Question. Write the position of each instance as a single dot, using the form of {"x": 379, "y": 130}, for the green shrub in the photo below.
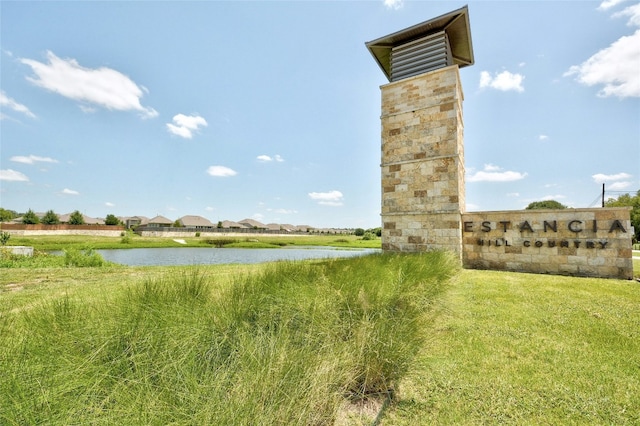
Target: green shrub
{"x": 83, "y": 258}
{"x": 4, "y": 238}
{"x": 368, "y": 236}
{"x": 221, "y": 242}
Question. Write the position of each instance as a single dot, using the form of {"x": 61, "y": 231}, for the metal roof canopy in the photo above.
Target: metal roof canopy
{"x": 455, "y": 25}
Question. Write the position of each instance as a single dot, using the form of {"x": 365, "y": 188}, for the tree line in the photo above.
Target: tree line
{"x": 51, "y": 218}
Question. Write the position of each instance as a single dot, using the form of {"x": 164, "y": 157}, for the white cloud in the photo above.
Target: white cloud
{"x": 6, "y": 101}
{"x": 331, "y": 198}
{"x": 12, "y": 175}
{"x": 553, "y": 197}
{"x": 503, "y": 81}
{"x": 102, "y": 86}
{"x": 221, "y": 171}
{"x": 283, "y": 211}
{"x": 265, "y": 158}
{"x": 491, "y": 168}
{"x": 185, "y": 125}
{"x": 608, "y": 4}
{"x": 209, "y": 208}
{"x": 619, "y": 186}
{"x": 614, "y": 67}
{"x": 394, "y": 4}
{"x": 108, "y": 204}
{"x": 68, "y": 191}
{"x": 492, "y": 173}
{"x": 543, "y": 137}
{"x": 513, "y": 194}
{"x": 601, "y": 178}
{"x": 633, "y": 12}
{"x": 32, "y": 159}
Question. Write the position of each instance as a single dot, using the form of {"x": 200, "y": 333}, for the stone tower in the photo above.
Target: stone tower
{"x": 422, "y": 133}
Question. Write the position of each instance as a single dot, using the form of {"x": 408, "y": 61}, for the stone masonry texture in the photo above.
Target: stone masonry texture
{"x": 422, "y": 162}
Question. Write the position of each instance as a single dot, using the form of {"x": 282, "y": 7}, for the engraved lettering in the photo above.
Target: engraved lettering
{"x": 616, "y": 225}
{"x": 486, "y": 226}
{"x": 525, "y": 226}
{"x": 468, "y": 226}
{"x": 504, "y": 224}
{"x": 573, "y": 228}
{"x": 552, "y": 225}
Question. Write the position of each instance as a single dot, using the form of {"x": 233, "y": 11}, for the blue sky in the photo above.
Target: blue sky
{"x": 271, "y": 110}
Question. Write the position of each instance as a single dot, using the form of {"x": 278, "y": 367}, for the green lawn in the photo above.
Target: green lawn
{"x": 528, "y": 349}
{"x": 61, "y": 242}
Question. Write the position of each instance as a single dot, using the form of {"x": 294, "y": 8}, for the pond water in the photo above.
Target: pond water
{"x": 210, "y": 256}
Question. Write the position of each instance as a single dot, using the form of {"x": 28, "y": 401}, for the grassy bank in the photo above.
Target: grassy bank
{"x": 61, "y": 242}
{"x": 297, "y": 343}
{"x": 286, "y": 344}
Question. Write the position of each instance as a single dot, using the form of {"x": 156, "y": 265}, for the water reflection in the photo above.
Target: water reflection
{"x": 212, "y": 256}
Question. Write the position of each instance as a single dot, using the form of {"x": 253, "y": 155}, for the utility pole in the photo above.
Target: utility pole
{"x": 603, "y": 195}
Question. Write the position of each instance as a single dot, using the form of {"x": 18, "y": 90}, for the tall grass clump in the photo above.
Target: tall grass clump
{"x": 284, "y": 346}
{"x": 38, "y": 260}
{"x": 83, "y": 258}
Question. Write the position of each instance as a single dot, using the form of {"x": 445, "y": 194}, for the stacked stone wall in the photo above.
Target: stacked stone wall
{"x": 422, "y": 162}
{"x": 579, "y": 242}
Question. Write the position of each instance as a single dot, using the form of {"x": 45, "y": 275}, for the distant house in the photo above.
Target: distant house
{"x": 88, "y": 220}
{"x": 273, "y": 226}
{"x": 159, "y": 222}
{"x": 228, "y": 224}
{"x": 197, "y": 222}
{"x": 305, "y": 228}
{"x": 253, "y": 224}
{"x": 132, "y": 222}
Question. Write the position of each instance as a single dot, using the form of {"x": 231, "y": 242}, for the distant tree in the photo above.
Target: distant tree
{"x": 76, "y": 218}
{"x": 30, "y": 218}
{"x": 7, "y": 215}
{"x": 627, "y": 200}
{"x": 219, "y": 224}
{"x": 359, "y": 232}
{"x": 50, "y": 218}
{"x": 546, "y": 204}
{"x": 111, "y": 220}
{"x": 177, "y": 224}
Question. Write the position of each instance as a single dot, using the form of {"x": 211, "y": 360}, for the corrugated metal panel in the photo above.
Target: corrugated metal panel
{"x": 420, "y": 56}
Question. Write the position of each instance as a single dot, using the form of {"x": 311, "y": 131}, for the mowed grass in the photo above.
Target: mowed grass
{"x": 513, "y": 348}
{"x": 130, "y": 240}
{"x": 284, "y": 343}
